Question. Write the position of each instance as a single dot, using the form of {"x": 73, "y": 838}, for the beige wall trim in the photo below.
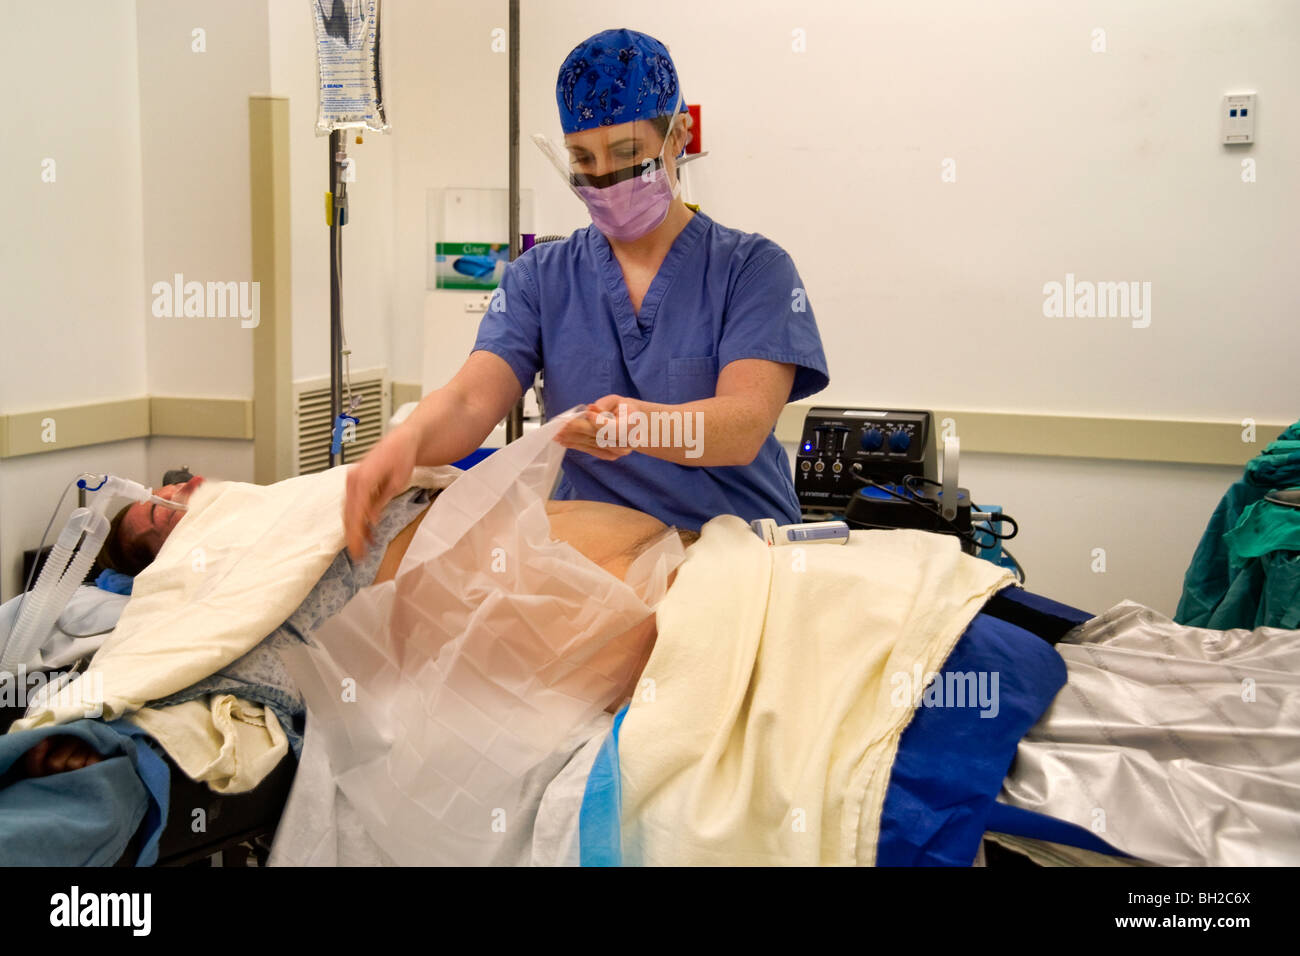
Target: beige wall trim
{"x": 56, "y": 429}
{"x": 403, "y": 392}
{"x": 75, "y": 426}
{"x": 268, "y": 141}
{"x": 201, "y": 417}
{"x": 1075, "y": 436}
{"x": 1133, "y": 439}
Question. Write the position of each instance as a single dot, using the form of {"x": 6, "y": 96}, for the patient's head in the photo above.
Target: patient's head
{"x": 138, "y": 531}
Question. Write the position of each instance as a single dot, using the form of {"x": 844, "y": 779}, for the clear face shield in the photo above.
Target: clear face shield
{"x": 619, "y": 172}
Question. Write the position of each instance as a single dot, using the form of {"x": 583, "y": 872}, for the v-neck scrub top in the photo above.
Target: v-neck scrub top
{"x": 720, "y": 295}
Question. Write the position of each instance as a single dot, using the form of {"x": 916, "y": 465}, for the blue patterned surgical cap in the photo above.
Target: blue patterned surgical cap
{"x": 616, "y": 76}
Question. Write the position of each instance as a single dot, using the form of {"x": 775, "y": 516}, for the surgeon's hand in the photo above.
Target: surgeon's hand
{"x": 583, "y": 433}
{"x": 373, "y": 482}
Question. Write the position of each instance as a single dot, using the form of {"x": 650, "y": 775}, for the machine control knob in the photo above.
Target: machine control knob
{"x": 899, "y": 440}
{"x": 872, "y": 439}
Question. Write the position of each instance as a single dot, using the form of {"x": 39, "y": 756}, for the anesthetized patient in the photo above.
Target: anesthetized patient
{"x": 608, "y": 535}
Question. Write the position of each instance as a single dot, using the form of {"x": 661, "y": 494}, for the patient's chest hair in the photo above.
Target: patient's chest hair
{"x": 610, "y": 535}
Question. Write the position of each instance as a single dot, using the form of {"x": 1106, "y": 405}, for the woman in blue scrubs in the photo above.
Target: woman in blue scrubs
{"x": 654, "y": 308}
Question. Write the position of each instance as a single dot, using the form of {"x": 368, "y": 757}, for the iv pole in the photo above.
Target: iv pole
{"x": 338, "y": 216}
{"x": 515, "y": 420}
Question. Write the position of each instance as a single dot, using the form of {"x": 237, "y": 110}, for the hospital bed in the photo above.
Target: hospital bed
{"x": 935, "y": 789}
{"x": 940, "y": 804}
{"x": 250, "y": 820}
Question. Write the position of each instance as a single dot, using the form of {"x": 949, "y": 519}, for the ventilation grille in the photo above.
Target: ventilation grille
{"x": 313, "y": 423}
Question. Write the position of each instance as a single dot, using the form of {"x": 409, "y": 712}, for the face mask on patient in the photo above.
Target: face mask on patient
{"x": 492, "y": 645}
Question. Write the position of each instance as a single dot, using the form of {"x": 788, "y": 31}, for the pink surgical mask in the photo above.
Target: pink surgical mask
{"x": 629, "y": 203}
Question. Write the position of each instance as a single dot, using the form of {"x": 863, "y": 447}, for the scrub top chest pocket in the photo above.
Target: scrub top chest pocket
{"x": 691, "y": 379}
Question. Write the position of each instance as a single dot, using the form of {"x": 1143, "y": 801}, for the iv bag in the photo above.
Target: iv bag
{"x": 348, "y": 79}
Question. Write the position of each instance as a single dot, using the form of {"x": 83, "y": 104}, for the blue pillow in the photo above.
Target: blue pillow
{"x": 114, "y": 581}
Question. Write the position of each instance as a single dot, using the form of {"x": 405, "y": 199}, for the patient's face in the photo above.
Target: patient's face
{"x": 147, "y": 525}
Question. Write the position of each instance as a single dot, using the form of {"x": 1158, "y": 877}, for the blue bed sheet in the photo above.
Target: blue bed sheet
{"x": 951, "y": 761}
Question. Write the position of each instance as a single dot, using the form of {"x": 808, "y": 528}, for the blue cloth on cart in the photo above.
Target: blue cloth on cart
{"x": 83, "y": 817}
{"x": 156, "y": 776}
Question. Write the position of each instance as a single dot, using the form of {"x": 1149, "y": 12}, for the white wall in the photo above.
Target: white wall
{"x": 152, "y": 178}
{"x": 1106, "y": 165}
{"x": 216, "y": 458}
{"x": 1146, "y": 517}
{"x": 71, "y": 255}
{"x": 195, "y": 164}
{"x": 72, "y": 247}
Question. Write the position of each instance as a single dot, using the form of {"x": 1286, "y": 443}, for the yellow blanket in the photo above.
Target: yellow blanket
{"x": 766, "y": 722}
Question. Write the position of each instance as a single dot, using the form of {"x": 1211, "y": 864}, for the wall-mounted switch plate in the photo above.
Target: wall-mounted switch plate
{"x": 1239, "y": 118}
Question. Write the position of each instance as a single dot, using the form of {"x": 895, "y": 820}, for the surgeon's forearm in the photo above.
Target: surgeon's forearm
{"x": 442, "y": 432}
{"x": 712, "y": 432}
{"x": 452, "y": 421}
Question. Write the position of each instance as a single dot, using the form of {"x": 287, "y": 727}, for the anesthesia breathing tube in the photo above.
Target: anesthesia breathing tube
{"x": 68, "y": 564}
